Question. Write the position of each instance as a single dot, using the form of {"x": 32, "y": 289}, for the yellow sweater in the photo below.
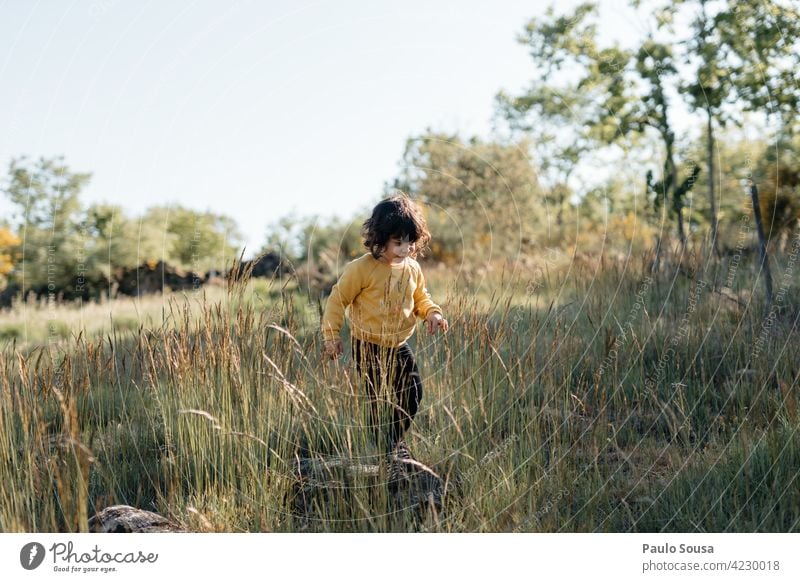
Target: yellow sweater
{"x": 384, "y": 301}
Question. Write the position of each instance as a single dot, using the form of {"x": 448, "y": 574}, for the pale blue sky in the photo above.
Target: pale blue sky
{"x": 253, "y": 109}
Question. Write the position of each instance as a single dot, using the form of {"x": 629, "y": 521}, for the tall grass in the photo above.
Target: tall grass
{"x": 602, "y": 398}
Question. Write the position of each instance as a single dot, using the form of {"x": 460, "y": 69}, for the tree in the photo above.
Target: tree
{"x": 482, "y": 195}
{"x": 194, "y": 240}
{"x": 9, "y": 254}
{"x": 763, "y": 43}
{"x": 655, "y": 66}
{"x": 762, "y": 37}
{"x": 47, "y": 197}
{"x": 72, "y": 251}
{"x": 576, "y": 102}
{"x": 118, "y": 241}
{"x": 338, "y": 237}
{"x": 708, "y": 89}
{"x": 594, "y": 97}
{"x": 741, "y": 56}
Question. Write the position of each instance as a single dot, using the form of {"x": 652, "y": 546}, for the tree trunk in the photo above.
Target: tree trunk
{"x": 712, "y": 200}
{"x": 762, "y": 246}
{"x": 656, "y": 264}
{"x": 560, "y": 196}
{"x": 681, "y": 227}
{"x": 671, "y": 190}
{"x": 560, "y": 213}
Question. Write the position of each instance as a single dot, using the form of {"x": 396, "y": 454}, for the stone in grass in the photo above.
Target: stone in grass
{"x": 127, "y": 519}
{"x": 322, "y": 480}
{"x": 415, "y": 486}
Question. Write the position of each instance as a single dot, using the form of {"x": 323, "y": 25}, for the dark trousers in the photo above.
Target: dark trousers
{"x": 389, "y": 374}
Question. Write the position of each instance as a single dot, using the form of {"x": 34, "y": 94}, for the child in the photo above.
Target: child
{"x": 386, "y": 293}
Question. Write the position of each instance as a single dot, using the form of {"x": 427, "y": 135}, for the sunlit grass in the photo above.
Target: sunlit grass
{"x": 581, "y": 396}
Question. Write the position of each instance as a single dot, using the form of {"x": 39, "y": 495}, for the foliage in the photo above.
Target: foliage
{"x": 337, "y": 237}
{"x": 118, "y": 241}
{"x": 46, "y": 194}
{"x": 482, "y": 197}
{"x": 763, "y": 39}
{"x": 9, "y": 253}
{"x": 194, "y": 240}
{"x": 72, "y": 250}
{"x": 720, "y": 59}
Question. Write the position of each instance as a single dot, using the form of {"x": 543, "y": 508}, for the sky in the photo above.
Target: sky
{"x": 256, "y": 110}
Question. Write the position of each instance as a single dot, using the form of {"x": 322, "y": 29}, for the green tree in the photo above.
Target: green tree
{"x": 335, "y": 237}
{"x": 763, "y": 41}
{"x": 577, "y": 101}
{"x": 738, "y": 56}
{"x": 194, "y": 240}
{"x": 707, "y": 89}
{"x": 655, "y": 67}
{"x": 764, "y": 78}
{"x": 483, "y": 194}
{"x": 585, "y": 97}
{"x": 46, "y": 194}
{"x": 118, "y": 241}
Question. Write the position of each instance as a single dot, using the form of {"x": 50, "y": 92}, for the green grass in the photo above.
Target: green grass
{"x": 11, "y": 332}
{"x": 593, "y": 400}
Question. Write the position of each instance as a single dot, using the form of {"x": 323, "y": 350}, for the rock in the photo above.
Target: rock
{"x": 323, "y": 480}
{"x": 421, "y": 488}
{"x": 155, "y": 277}
{"x": 267, "y": 264}
{"x": 127, "y": 519}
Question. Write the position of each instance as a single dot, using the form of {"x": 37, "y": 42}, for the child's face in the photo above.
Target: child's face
{"x": 398, "y": 248}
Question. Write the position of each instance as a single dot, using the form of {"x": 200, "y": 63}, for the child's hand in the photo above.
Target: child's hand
{"x": 333, "y": 349}
{"x": 435, "y": 321}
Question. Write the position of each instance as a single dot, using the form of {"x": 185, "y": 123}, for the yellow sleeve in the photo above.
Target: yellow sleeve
{"x": 423, "y": 304}
{"x": 342, "y": 295}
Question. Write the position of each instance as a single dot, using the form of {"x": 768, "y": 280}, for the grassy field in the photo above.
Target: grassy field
{"x": 571, "y": 394}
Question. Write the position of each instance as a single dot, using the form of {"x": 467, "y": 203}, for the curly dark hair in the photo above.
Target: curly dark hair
{"x": 396, "y": 216}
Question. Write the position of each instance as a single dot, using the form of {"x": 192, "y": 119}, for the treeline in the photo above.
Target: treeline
{"x": 591, "y": 155}
{"x": 53, "y": 245}
{"x": 727, "y": 64}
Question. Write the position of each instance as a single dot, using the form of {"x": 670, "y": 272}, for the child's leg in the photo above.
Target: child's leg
{"x": 407, "y": 385}
{"x": 368, "y": 368}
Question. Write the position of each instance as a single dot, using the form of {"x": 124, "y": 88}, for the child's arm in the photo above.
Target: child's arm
{"x": 422, "y": 299}
{"x": 425, "y": 308}
{"x": 346, "y": 289}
